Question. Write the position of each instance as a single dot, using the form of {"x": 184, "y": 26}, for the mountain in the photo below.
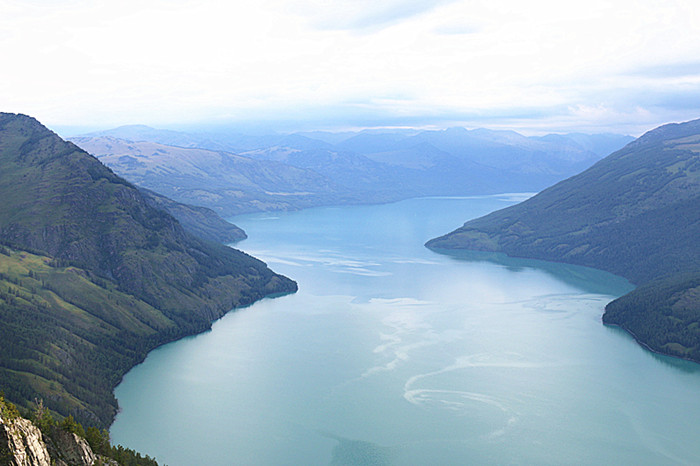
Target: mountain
{"x": 549, "y": 158}
{"x": 635, "y": 213}
{"x": 140, "y": 133}
{"x": 92, "y": 276}
{"x": 451, "y": 161}
{"x": 605, "y": 143}
{"x": 227, "y": 183}
{"x": 282, "y": 172}
{"x": 199, "y": 221}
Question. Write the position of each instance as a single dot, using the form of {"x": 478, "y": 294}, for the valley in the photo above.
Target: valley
{"x": 108, "y": 272}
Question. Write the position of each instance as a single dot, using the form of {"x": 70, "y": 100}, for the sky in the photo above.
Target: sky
{"x": 534, "y": 66}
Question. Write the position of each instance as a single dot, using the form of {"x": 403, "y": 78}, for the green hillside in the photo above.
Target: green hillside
{"x": 93, "y": 276}
{"x": 635, "y": 213}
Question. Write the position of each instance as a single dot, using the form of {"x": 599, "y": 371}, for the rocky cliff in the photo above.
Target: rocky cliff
{"x": 70, "y": 449}
{"x": 21, "y": 444}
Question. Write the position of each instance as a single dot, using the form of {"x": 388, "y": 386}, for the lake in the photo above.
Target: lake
{"x": 393, "y": 354}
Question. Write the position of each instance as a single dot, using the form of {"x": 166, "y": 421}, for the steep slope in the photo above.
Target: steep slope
{"x": 199, "y": 221}
{"x": 93, "y": 277}
{"x": 636, "y": 213}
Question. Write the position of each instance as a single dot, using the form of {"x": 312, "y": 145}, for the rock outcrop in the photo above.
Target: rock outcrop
{"x": 21, "y": 444}
{"x": 72, "y": 449}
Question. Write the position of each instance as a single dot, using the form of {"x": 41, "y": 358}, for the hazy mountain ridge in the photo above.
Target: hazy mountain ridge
{"x": 92, "y": 277}
{"x": 227, "y": 183}
{"x": 635, "y": 213}
{"x": 508, "y": 152}
{"x": 324, "y": 168}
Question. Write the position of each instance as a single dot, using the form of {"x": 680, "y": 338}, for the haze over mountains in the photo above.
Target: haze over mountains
{"x": 233, "y": 173}
{"x": 635, "y": 213}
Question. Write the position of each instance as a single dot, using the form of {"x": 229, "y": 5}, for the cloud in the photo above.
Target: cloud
{"x": 362, "y": 15}
{"x": 456, "y": 28}
{"x": 352, "y": 63}
{"x": 667, "y": 70}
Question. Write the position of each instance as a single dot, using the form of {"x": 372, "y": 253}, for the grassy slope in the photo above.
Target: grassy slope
{"x": 635, "y": 213}
{"x": 66, "y": 338}
{"x": 95, "y": 276}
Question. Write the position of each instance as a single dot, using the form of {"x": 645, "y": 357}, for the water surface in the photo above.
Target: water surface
{"x": 393, "y": 354}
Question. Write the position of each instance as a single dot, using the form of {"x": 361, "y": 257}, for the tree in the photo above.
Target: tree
{"x": 42, "y": 417}
{"x": 69, "y": 425}
{"x": 99, "y": 441}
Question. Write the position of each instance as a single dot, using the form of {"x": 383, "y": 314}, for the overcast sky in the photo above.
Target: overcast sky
{"x": 533, "y": 66}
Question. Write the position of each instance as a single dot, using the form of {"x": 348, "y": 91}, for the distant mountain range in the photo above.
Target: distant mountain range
{"x": 233, "y": 173}
{"x": 635, "y": 213}
{"x": 93, "y": 274}
{"x": 227, "y": 183}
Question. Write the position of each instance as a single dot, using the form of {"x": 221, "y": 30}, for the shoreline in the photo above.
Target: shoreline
{"x": 636, "y": 338}
{"x": 643, "y": 344}
{"x": 189, "y": 335}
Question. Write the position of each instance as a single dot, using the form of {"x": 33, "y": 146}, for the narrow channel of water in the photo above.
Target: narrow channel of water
{"x": 392, "y": 354}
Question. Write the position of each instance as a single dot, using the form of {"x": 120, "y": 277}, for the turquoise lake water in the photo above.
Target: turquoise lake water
{"x": 392, "y": 354}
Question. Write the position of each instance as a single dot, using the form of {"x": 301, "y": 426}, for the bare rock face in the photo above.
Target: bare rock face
{"x": 21, "y": 444}
{"x": 73, "y": 450}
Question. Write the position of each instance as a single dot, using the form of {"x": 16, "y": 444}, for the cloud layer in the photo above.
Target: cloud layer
{"x": 535, "y": 66}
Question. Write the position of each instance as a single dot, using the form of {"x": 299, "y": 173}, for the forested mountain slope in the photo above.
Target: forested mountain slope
{"x": 92, "y": 276}
{"x": 200, "y": 221}
{"x": 635, "y": 213}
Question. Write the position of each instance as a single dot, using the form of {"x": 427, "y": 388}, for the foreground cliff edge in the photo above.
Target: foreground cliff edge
{"x": 42, "y": 441}
{"x": 93, "y": 276}
{"x": 635, "y": 213}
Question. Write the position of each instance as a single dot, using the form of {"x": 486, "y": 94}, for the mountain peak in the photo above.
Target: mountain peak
{"x": 23, "y": 121}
